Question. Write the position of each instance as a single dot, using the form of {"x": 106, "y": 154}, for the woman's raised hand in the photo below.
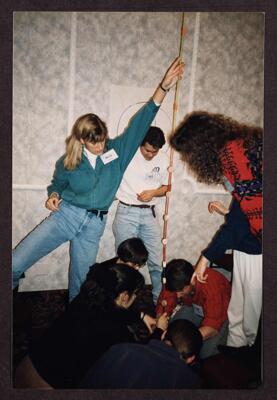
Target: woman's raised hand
{"x": 173, "y": 74}
{"x": 53, "y": 202}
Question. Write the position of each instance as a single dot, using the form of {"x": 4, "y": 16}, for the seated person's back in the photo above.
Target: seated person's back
{"x": 167, "y": 364}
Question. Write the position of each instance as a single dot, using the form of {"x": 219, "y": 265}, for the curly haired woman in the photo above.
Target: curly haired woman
{"x": 217, "y": 150}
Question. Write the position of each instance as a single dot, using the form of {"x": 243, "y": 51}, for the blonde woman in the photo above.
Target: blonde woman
{"x": 83, "y": 187}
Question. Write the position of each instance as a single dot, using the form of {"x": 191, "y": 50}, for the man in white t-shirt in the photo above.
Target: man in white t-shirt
{"x": 144, "y": 180}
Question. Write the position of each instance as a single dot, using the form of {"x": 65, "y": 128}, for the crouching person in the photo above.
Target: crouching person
{"x": 204, "y": 304}
{"x": 167, "y": 364}
{"x": 96, "y": 319}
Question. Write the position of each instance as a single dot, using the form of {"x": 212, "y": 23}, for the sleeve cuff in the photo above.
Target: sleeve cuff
{"x": 56, "y": 193}
{"x": 206, "y": 254}
{"x": 155, "y": 103}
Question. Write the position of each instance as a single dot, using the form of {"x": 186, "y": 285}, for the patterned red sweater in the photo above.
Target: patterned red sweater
{"x": 243, "y": 169}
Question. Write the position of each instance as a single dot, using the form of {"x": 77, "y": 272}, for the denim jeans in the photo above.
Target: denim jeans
{"x": 139, "y": 222}
{"x": 82, "y": 228}
{"x": 209, "y": 347}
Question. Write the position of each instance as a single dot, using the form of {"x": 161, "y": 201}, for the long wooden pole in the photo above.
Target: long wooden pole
{"x": 171, "y": 158}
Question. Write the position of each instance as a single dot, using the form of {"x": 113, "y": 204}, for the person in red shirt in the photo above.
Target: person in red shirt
{"x": 204, "y": 304}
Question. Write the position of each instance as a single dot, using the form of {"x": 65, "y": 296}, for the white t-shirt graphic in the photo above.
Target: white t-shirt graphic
{"x": 143, "y": 175}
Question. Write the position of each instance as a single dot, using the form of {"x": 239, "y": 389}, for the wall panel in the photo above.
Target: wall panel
{"x": 66, "y": 64}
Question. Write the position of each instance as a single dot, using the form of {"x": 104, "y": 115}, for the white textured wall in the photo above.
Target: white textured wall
{"x": 66, "y": 64}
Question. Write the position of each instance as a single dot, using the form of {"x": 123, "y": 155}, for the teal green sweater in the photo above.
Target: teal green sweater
{"x": 87, "y": 187}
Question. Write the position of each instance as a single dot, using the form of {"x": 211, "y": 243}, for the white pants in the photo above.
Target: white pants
{"x": 245, "y": 306}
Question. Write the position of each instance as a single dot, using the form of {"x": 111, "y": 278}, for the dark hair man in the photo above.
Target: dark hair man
{"x": 144, "y": 180}
{"x": 205, "y": 304}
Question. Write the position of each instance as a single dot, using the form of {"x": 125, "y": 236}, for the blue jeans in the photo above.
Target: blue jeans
{"x": 209, "y": 347}
{"x": 139, "y": 222}
{"x": 82, "y": 228}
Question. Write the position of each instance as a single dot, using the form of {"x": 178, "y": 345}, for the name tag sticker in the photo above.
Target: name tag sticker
{"x": 198, "y": 310}
{"x": 109, "y": 156}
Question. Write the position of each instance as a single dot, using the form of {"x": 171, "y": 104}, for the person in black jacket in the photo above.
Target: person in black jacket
{"x": 95, "y": 320}
{"x": 235, "y": 234}
{"x": 133, "y": 253}
{"x": 167, "y": 364}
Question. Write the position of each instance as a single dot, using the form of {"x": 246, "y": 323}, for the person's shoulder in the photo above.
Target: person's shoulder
{"x": 120, "y": 348}
{"x": 138, "y": 156}
{"x": 60, "y": 162}
{"x": 163, "y": 157}
{"x": 216, "y": 276}
{"x": 138, "y": 161}
{"x": 218, "y": 273}
{"x": 108, "y": 263}
{"x": 165, "y": 293}
{"x": 214, "y": 279}
{"x": 123, "y": 347}
{"x": 104, "y": 265}
{"x": 138, "y": 349}
{"x": 236, "y": 145}
{"x": 111, "y": 142}
{"x": 127, "y": 352}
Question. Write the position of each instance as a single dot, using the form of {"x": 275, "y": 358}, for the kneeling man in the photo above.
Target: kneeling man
{"x": 204, "y": 304}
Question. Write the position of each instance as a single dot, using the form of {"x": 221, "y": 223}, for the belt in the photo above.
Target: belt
{"x": 98, "y": 213}
{"x": 140, "y": 206}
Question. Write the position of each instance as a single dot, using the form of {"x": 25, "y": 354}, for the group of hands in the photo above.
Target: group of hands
{"x": 152, "y": 323}
{"x": 199, "y": 275}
